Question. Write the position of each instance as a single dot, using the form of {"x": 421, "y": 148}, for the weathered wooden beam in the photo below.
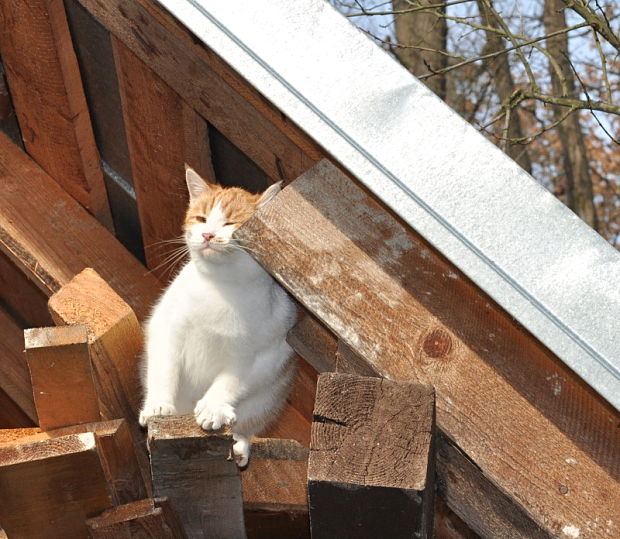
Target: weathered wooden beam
{"x": 62, "y": 377}
{"x": 194, "y": 469}
{"x": 274, "y": 486}
{"x": 535, "y": 432}
{"x": 188, "y": 68}
{"x": 314, "y": 342}
{"x": 50, "y": 487}
{"x": 46, "y": 87}
{"x": 31, "y": 202}
{"x": 115, "y": 447}
{"x": 11, "y": 415}
{"x": 151, "y": 517}
{"x": 371, "y": 466}
{"x": 14, "y": 375}
{"x": 163, "y": 133}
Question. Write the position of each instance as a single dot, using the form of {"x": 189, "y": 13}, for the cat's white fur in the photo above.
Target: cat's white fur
{"x": 215, "y": 342}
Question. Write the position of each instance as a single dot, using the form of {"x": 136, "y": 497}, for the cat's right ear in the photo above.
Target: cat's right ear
{"x": 195, "y": 184}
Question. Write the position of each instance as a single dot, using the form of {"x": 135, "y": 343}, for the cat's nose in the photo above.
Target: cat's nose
{"x": 208, "y": 236}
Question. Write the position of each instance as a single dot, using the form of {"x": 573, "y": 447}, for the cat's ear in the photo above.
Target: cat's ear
{"x": 195, "y": 184}
{"x": 270, "y": 193}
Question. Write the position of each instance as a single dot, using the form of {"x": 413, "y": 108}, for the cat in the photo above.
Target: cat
{"x": 215, "y": 341}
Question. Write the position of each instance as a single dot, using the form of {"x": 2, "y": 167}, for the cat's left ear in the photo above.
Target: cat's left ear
{"x": 269, "y": 194}
{"x": 195, "y": 184}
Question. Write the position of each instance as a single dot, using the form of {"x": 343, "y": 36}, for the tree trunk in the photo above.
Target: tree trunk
{"x": 503, "y": 82}
{"x": 425, "y": 30}
{"x": 575, "y": 158}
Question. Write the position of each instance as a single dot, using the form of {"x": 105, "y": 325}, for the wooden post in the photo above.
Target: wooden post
{"x": 194, "y": 470}
{"x": 115, "y": 447}
{"x": 49, "y": 487}
{"x": 153, "y": 518}
{"x": 275, "y": 494}
{"x": 115, "y": 342}
{"x": 62, "y": 379}
{"x": 46, "y": 87}
{"x": 371, "y": 466}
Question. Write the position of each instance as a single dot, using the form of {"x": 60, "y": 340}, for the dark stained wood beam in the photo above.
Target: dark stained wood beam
{"x": 371, "y": 469}
{"x": 533, "y": 431}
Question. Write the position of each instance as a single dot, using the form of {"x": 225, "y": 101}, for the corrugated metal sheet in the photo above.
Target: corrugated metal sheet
{"x": 474, "y": 204}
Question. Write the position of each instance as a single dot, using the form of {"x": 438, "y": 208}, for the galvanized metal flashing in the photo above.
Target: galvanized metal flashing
{"x": 513, "y": 238}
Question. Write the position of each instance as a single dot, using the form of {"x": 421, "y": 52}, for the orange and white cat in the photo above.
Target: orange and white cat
{"x": 215, "y": 342}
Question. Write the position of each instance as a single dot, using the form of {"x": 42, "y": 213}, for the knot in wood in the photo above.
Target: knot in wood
{"x": 437, "y": 344}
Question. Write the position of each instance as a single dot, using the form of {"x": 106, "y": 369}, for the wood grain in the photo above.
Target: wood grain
{"x": 314, "y": 342}
{"x": 31, "y": 202}
{"x": 192, "y": 468}
{"x": 62, "y": 377}
{"x": 533, "y": 429}
{"x": 49, "y": 487}
{"x": 371, "y": 465}
{"x": 163, "y": 133}
{"x": 186, "y": 66}
{"x": 149, "y": 518}
{"x": 47, "y": 92}
{"x": 115, "y": 448}
{"x": 14, "y": 374}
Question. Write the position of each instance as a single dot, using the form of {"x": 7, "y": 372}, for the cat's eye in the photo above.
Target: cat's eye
{"x": 229, "y": 223}
{"x": 200, "y": 219}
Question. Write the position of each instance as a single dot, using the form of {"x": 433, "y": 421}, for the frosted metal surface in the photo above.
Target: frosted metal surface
{"x": 514, "y": 239}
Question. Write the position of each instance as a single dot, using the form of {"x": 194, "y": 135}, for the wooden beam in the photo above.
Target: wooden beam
{"x": 49, "y": 487}
{"x": 275, "y": 494}
{"x": 187, "y": 67}
{"x": 194, "y": 470}
{"x": 538, "y": 432}
{"x": 30, "y": 201}
{"x": 115, "y": 343}
{"x": 115, "y": 447}
{"x": 152, "y": 517}
{"x": 46, "y": 87}
{"x": 11, "y": 415}
{"x": 163, "y": 133}
{"x": 14, "y": 375}
{"x": 114, "y": 338}
{"x": 314, "y": 342}
{"x": 62, "y": 377}
{"x": 371, "y": 466}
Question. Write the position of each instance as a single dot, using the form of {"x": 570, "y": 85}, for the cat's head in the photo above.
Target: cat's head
{"x": 215, "y": 212}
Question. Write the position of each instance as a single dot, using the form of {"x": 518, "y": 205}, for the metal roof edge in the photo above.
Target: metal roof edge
{"x": 513, "y": 238}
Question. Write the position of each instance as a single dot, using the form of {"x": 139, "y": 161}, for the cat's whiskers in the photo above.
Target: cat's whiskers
{"x": 172, "y": 259}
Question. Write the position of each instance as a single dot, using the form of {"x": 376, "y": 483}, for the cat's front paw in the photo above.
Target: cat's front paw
{"x": 158, "y": 409}
{"x": 214, "y": 417}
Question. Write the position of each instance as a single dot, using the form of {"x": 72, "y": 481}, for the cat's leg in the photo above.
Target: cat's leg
{"x": 162, "y": 371}
{"x": 241, "y": 449}
{"x": 216, "y": 409}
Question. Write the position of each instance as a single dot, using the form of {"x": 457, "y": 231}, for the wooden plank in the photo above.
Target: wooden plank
{"x": 516, "y": 410}
{"x": 14, "y": 374}
{"x": 314, "y": 342}
{"x": 175, "y": 56}
{"x": 371, "y": 466}
{"x": 26, "y": 303}
{"x": 115, "y": 343}
{"x": 151, "y": 517}
{"x": 11, "y": 415}
{"x": 46, "y": 87}
{"x": 274, "y": 485}
{"x": 163, "y": 134}
{"x": 62, "y": 377}
{"x": 30, "y": 201}
{"x": 194, "y": 470}
{"x": 348, "y": 361}
{"x": 49, "y": 487}
{"x": 115, "y": 447}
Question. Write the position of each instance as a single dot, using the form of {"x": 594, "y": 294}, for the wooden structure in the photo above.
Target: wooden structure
{"x": 97, "y": 128}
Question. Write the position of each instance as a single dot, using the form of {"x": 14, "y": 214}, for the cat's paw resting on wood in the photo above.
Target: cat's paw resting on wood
{"x": 215, "y": 342}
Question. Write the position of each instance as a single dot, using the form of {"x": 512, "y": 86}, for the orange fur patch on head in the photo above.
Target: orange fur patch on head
{"x": 237, "y": 204}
